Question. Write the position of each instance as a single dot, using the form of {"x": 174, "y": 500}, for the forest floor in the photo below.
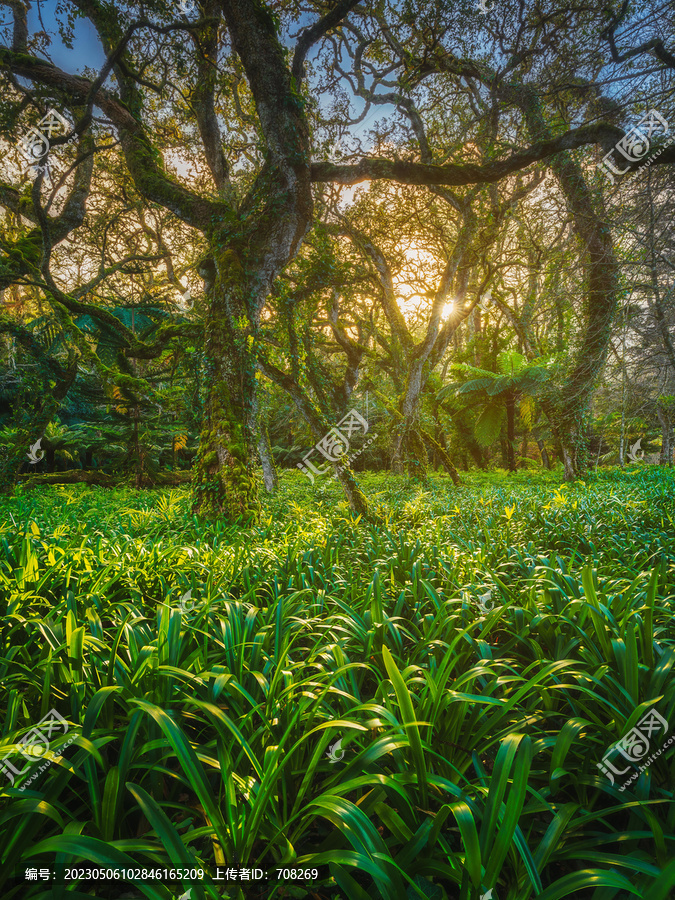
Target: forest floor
{"x": 328, "y": 708}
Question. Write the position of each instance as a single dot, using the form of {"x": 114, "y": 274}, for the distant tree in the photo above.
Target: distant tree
{"x": 514, "y": 386}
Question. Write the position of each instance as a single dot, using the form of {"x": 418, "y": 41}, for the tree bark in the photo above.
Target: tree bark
{"x": 666, "y": 455}
{"x": 225, "y": 483}
{"x": 270, "y": 475}
{"x": 569, "y": 463}
{"x": 510, "y": 431}
{"x": 443, "y": 456}
{"x": 544, "y": 455}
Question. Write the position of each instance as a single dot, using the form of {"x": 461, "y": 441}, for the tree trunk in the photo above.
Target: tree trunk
{"x": 396, "y": 462}
{"x": 443, "y": 457}
{"x": 569, "y": 408}
{"x": 75, "y": 477}
{"x": 251, "y": 246}
{"x": 355, "y": 496}
{"x": 138, "y": 453}
{"x": 100, "y": 479}
{"x": 666, "y": 455}
{"x": 414, "y": 453}
{"x": 504, "y": 450}
{"x": 544, "y": 455}
{"x": 569, "y": 463}
{"x": 409, "y": 450}
{"x": 225, "y": 484}
{"x": 270, "y": 476}
{"x": 511, "y": 431}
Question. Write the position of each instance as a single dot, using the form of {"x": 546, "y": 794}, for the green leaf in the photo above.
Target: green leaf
{"x": 409, "y": 722}
{"x": 106, "y": 855}
{"x": 489, "y": 423}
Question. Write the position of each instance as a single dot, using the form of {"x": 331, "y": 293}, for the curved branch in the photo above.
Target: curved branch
{"x": 204, "y": 105}
{"x": 655, "y": 45}
{"x": 404, "y": 172}
{"x": 315, "y": 32}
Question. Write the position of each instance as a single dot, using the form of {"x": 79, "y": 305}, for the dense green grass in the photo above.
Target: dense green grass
{"x": 470, "y": 741}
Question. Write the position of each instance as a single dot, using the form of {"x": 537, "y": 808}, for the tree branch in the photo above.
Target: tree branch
{"x": 404, "y": 172}
{"x": 315, "y": 32}
{"x": 140, "y": 154}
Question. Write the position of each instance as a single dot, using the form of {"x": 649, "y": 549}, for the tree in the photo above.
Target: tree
{"x": 515, "y": 385}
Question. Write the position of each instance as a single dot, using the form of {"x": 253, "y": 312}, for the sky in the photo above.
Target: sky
{"x": 86, "y": 46}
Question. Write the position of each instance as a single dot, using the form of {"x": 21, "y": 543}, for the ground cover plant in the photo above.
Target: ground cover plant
{"x": 475, "y": 655}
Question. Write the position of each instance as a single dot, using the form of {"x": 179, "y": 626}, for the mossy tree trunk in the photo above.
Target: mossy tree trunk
{"x": 263, "y": 443}
{"x": 410, "y": 449}
{"x": 568, "y": 410}
{"x": 546, "y": 461}
{"x": 225, "y": 484}
{"x": 443, "y": 457}
{"x": 664, "y": 411}
{"x": 510, "y": 401}
{"x": 270, "y": 474}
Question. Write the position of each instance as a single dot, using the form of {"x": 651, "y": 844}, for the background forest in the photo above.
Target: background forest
{"x": 433, "y": 251}
{"x": 337, "y": 396}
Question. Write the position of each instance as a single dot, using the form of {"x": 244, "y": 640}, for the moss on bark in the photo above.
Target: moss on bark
{"x": 225, "y": 483}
